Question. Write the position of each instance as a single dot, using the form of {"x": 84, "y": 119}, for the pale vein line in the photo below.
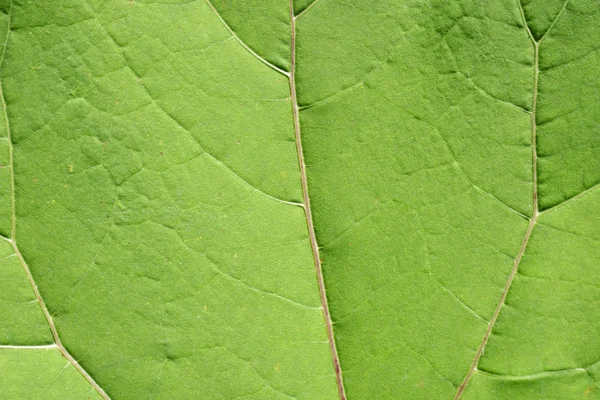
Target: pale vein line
{"x": 308, "y": 213}
{"x": 532, "y": 221}
{"x": 13, "y": 242}
{"x": 490, "y": 327}
{"x": 42, "y": 304}
{"x": 497, "y": 199}
{"x": 204, "y": 151}
{"x": 46, "y": 346}
{"x": 571, "y": 199}
{"x": 215, "y": 268}
{"x": 458, "y": 300}
{"x": 301, "y": 13}
{"x": 539, "y": 375}
{"x": 255, "y": 54}
{"x": 555, "y": 19}
{"x": 8, "y": 136}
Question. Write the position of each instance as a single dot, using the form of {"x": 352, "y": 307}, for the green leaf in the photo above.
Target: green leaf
{"x": 23, "y": 320}
{"x": 322, "y": 199}
{"x": 43, "y": 373}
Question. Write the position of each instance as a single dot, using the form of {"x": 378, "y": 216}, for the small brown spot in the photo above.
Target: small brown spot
{"x": 421, "y": 384}
{"x": 161, "y": 153}
{"x": 589, "y": 390}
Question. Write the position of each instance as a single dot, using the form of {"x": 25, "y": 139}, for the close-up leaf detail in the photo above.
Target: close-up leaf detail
{"x": 296, "y": 199}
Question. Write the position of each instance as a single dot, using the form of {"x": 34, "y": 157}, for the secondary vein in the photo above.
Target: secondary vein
{"x": 532, "y": 221}
{"x": 255, "y": 54}
{"x": 307, "y": 210}
{"x": 13, "y": 242}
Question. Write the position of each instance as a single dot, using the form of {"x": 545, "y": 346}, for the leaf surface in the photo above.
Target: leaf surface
{"x": 313, "y": 199}
{"x": 41, "y": 373}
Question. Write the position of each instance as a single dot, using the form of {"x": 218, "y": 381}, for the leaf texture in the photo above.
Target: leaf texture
{"x": 227, "y": 199}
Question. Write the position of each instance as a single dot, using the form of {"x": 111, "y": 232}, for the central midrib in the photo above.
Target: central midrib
{"x": 307, "y": 209}
{"x": 535, "y": 214}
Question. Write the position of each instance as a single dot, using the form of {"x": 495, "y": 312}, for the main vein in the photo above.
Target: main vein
{"x": 307, "y": 210}
{"x": 532, "y": 221}
{"x": 57, "y": 343}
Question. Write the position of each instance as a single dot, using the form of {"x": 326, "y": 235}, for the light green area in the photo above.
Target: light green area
{"x": 156, "y": 177}
{"x": 153, "y": 158}
{"x": 23, "y": 322}
{"x": 419, "y": 163}
{"x": 569, "y": 103}
{"x": 561, "y": 385}
{"x": 541, "y": 14}
{"x": 545, "y": 344}
{"x": 301, "y": 5}
{"x": 263, "y": 25}
{"x": 29, "y": 374}
{"x": 417, "y": 137}
{"x": 5, "y": 199}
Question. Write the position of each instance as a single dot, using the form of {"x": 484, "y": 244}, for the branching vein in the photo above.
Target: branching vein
{"x": 532, "y": 221}
{"x": 255, "y": 54}
{"x": 13, "y": 242}
{"x": 307, "y": 210}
